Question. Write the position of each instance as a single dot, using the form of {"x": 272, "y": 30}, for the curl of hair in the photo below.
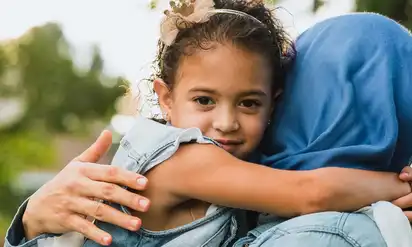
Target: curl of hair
{"x": 269, "y": 40}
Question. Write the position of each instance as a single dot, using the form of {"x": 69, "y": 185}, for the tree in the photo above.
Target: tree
{"x": 57, "y": 93}
{"x": 398, "y": 10}
{"x": 37, "y": 70}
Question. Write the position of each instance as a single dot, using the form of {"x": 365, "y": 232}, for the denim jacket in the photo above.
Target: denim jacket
{"x": 144, "y": 147}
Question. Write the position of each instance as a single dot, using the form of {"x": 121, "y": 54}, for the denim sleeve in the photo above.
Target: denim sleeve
{"x": 150, "y": 143}
{"x": 15, "y": 234}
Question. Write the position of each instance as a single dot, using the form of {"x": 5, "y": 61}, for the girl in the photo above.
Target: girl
{"x": 221, "y": 65}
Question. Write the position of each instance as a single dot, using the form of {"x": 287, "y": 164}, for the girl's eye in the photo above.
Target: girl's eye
{"x": 250, "y": 103}
{"x": 204, "y": 101}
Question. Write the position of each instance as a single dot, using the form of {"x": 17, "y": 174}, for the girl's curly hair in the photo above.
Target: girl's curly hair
{"x": 269, "y": 40}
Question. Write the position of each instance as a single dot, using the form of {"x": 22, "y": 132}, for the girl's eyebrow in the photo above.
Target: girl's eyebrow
{"x": 203, "y": 90}
{"x": 252, "y": 92}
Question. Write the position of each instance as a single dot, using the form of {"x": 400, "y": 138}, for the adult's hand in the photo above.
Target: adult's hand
{"x": 63, "y": 204}
{"x": 405, "y": 202}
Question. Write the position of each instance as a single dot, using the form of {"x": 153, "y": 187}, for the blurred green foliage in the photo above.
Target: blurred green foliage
{"x": 399, "y": 10}
{"x": 54, "y": 95}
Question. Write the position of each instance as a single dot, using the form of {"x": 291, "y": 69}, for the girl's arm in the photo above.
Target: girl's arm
{"x": 208, "y": 173}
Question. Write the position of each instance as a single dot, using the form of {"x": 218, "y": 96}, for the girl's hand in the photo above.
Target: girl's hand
{"x": 405, "y": 202}
{"x": 63, "y": 204}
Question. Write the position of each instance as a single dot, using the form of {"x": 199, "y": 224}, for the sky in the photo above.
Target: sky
{"x": 126, "y": 30}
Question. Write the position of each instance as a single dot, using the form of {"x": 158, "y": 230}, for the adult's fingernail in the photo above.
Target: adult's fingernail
{"x": 106, "y": 240}
{"x": 143, "y": 203}
{"x": 142, "y": 181}
{"x": 135, "y": 224}
{"x": 102, "y": 133}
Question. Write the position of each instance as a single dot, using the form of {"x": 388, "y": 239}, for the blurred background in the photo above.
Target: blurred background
{"x": 65, "y": 67}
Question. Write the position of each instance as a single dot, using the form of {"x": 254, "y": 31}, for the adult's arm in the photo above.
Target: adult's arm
{"x": 228, "y": 181}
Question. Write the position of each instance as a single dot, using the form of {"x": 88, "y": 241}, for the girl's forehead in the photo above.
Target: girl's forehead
{"x": 224, "y": 66}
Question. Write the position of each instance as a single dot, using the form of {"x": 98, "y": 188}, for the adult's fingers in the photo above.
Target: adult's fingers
{"x": 103, "y": 212}
{"x": 408, "y": 214}
{"x": 114, "y": 193}
{"x": 406, "y": 174}
{"x": 97, "y": 149}
{"x": 115, "y": 175}
{"x": 404, "y": 202}
{"x": 79, "y": 224}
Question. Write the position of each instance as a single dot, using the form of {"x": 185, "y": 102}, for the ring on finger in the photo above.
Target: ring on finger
{"x": 98, "y": 205}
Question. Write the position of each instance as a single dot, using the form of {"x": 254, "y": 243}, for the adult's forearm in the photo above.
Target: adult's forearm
{"x": 344, "y": 189}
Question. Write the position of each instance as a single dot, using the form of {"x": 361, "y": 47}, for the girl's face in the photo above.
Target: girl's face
{"x": 225, "y": 92}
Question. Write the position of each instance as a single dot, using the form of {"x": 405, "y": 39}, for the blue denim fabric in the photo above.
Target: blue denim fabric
{"x": 328, "y": 229}
{"x": 147, "y": 145}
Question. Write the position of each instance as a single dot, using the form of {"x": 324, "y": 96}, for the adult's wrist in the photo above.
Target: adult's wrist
{"x": 30, "y": 228}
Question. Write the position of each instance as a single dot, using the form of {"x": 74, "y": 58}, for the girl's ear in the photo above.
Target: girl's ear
{"x": 165, "y": 97}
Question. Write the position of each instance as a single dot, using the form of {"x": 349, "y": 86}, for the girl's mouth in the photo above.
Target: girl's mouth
{"x": 229, "y": 141}
{"x": 229, "y": 145}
